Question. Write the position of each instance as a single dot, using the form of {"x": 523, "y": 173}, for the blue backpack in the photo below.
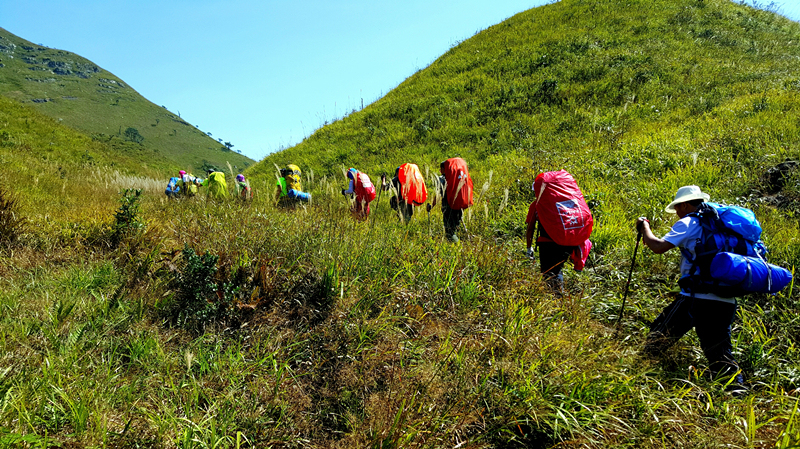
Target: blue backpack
{"x": 730, "y": 256}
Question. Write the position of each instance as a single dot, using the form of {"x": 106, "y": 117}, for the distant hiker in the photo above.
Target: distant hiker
{"x": 455, "y": 188}
{"x": 289, "y": 187}
{"x": 409, "y": 187}
{"x": 360, "y": 186}
{"x": 709, "y": 313}
{"x": 188, "y": 183}
{"x": 564, "y": 223}
{"x": 173, "y": 189}
{"x": 243, "y": 190}
{"x": 216, "y": 184}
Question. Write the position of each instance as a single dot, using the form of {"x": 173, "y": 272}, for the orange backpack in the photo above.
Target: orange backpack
{"x": 413, "y": 184}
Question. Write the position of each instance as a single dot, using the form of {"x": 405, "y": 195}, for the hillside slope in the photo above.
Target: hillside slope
{"x": 625, "y": 84}
{"x": 61, "y": 173}
{"x": 84, "y": 96}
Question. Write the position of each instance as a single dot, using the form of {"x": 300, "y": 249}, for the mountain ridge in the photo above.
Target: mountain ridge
{"x": 82, "y": 95}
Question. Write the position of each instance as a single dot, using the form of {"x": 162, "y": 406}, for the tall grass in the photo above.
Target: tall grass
{"x": 342, "y": 333}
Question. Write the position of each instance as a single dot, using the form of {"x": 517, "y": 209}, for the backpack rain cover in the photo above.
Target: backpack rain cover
{"x": 459, "y": 184}
{"x": 413, "y": 184}
{"x": 561, "y": 209}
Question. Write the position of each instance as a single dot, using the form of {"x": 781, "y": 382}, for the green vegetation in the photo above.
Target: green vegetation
{"x": 78, "y": 93}
{"x": 222, "y": 324}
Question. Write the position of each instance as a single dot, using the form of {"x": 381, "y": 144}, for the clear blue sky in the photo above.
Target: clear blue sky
{"x": 262, "y": 74}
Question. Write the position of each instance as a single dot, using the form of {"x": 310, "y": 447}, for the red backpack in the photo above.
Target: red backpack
{"x": 459, "y": 184}
{"x": 363, "y": 187}
{"x": 561, "y": 209}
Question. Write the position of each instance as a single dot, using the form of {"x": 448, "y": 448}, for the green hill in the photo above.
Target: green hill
{"x": 62, "y": 173}
{"x": 647, "y": 85}
{"x": 80, "y": 94}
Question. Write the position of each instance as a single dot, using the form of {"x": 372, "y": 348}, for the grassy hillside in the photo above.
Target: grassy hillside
{"x": 78, "y": 93}
{"x": 63, "y": 174}
{"x": 590, "y": 88}
{"x": 199, "y": 324}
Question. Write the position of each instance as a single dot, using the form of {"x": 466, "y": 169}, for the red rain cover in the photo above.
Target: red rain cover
{"x": 364, "y": 189}
{"x": 561, "y": 209}
{"x": 459, "y": 183}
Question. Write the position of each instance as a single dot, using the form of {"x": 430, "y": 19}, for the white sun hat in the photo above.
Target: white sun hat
{"x": 687, "y": 193}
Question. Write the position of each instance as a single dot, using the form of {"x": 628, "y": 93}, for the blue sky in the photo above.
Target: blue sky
{"x": 262, "y": 74}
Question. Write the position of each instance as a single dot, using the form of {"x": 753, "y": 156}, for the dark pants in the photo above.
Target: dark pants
{"x": 552, "y": 257}
{"x": 711, "y": 320}
{"x": 406, "y": 209}
{"x": 451, "y": 218}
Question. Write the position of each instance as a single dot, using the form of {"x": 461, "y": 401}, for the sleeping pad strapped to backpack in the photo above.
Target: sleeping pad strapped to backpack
{"x": 413, "y": 184}
{"x": 459, "y": 184}
{"x": 561, "y": 209}
{"x": 729, "y": 258}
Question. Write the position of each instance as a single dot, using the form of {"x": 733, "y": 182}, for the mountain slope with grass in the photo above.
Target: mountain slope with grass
{"x": 61, "y": 175}
{"x": 82, "y": 95}
{"x": 132, "y": 321}
{"x": 625, "y": 84}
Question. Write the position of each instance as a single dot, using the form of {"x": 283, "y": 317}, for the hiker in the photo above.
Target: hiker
{"x": 289, "y": 188}
{"x": 217, "y": 187}
{"x": 243, "y": 188}
{"x": 409, "y": 187}
{"x": 564, "y": 223}
{"x": 710, "y": 314}
{"x": 455, "y": 188}
{"x": 361, "y": 186}
{"x": 188, "y": 183}
{"x": 173, "y": 189}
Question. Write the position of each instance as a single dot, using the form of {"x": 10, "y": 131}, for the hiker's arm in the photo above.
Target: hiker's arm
{"x": 529, "y": 233}
{"x": 657, "y": 245}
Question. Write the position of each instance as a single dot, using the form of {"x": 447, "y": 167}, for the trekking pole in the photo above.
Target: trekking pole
{"x": 630, "y": 274}
{"x": 428, "y": 208}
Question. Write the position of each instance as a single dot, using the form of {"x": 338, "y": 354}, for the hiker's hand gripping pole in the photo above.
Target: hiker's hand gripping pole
{"x": 630, "y": 274}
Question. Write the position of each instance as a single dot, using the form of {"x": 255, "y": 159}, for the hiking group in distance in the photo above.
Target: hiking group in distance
{"x": 187, "y": 185}
{"x": 722, "y": 255}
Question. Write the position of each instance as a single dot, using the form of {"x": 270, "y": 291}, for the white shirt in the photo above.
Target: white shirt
{"x": 685, "y": 234}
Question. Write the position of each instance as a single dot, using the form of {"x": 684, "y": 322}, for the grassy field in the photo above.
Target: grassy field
{"x": 78, "y": 93}
{"x": 132, "y": 321}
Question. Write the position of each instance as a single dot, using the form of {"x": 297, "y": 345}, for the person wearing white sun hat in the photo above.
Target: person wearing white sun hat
{"x": 686, "y": 194}
{"x": 710, "y": 315}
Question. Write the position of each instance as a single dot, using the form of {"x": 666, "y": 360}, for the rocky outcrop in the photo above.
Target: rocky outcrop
{"x": 63, "y": 67}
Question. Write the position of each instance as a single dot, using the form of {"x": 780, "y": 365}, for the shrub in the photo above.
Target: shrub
{"x": 200, "y": 301}
{"x": 132, "y": 134}
{"x": 127, "y": 221}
